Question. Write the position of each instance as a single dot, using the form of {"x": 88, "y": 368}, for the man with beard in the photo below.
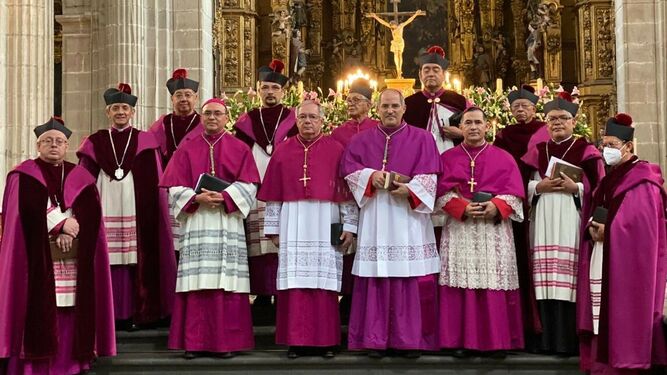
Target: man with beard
{"x": 169, "y": 130}
{"x": 55, "y": 286}
{"x": 263, "y": 129}
{"x": 126, "y": 163}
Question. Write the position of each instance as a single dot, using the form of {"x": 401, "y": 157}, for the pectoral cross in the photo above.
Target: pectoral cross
{"x": 305, "y": 177}
{"x": 472, "y": 181}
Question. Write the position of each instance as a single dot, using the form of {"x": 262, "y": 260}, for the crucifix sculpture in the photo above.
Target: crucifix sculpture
{"x": 397, "y": 42}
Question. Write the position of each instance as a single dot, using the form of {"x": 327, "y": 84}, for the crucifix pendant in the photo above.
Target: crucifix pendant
{"x": 472, "y": 184}
{"x": 119, "y": 173}
{"x": 305, "y": 178}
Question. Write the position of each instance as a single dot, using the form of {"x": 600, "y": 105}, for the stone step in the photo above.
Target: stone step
{"x": 275, "y": 362}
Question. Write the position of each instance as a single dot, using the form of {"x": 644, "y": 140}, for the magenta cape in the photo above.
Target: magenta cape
{"x": 245, "y": 125}
{"x": 281, "y": 181}
{"x": 233, "y": 162}
{"x": 28, "y": 326}
{"x": 634, "y": 273}
{"x": 411, "y": 152}
{"x": 162, "y": 132}
{"x": 156, "y": 272}
{"x": 496, "y": 172}
{"x": 345, "y": 131}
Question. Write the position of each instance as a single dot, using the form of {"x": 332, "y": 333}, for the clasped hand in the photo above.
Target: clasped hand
{"x": 564, "y": 184}
{"x": 483, "y": 210}
{"x": 212, "y": 199}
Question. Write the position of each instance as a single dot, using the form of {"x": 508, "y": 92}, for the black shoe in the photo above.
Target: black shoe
{"x": 190, "y": 355}
{"x": 292, "y": 354}
{"x": 328, "y": 353}
{"x": 498, "y": 354}
{"x": 412, "y": 354}
{"x": 226, "y": 355}
{"x": 375, "y": 354}
{"x": 461, "y": 353}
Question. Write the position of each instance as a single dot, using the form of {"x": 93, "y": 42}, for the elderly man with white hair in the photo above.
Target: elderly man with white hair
{"x": 126, "y": 162}
{"x": 311, "y": 218}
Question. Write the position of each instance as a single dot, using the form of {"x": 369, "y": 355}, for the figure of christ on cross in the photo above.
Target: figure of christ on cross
{"x": 397, "y": 42}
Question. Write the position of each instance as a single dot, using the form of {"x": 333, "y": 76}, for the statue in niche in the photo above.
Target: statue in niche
{"x": 298, "y": 56}
{"x": 502, "y": 57}
{"x": 483, "y": 64}
{"x": 299, "y": 14}
{"x": 533, "y": 45}
{"x": 280, "y": 22}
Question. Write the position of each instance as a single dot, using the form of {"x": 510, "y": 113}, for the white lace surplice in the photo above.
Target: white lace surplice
{"x": 258, "y": 244}
{"x": 306, "y": 258}
{"x": 477, "y": 254}
{"x": 119, "y": 216}
{"x": 394, "y": 240}
{"x": 213, "y": 247}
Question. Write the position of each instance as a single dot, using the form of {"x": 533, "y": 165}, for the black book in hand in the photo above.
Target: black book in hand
{"x": 336, "y": 232}
{"x": 481, "y": 197}
{"x": 600, "y": 215}
{"x": 211, "y": 183}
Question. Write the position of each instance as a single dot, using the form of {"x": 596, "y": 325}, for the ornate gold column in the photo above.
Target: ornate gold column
{"x": 520, "y": 61}
{"x": 234, "y": 35}
{"x": 596, "y": 50}
{"x": 315, "y": 65}
{"x": 553, "y": 67}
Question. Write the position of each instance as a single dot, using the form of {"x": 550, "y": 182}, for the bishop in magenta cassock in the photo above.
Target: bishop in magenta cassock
{"x": 394, "y": 300}
{"x": 171, "y": 129}
{"x": 212, "y": 306}
{"x": 432, "y": 108}
{"x": 481, "y": 192}
{"x": 622, "y": 273}
{"x": 126, "y": 163}
{"x": 558, "y": 206}
{"x": 57, "y": 313}
{"x": 304, "y": 197}
{"x": 263, "y": 129}
{"x": 517, "y": 139}
{"x": 358, "y": 106}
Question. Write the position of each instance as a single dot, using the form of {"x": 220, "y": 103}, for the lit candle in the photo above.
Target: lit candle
{"x": 636, "y": 146}
{"x": 374, "y": 85}
{"x": 494, "y": 124}
{"x": 299, "y": 87}
{"x": 457, "y": 85}
{"x": 346, "y": 85}
{"x": 540, "y": 84}
{"x": 499, "y": 87}
{"x": 339, "y": 87}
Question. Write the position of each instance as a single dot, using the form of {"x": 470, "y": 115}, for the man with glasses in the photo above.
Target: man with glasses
{"x": 392, "y": 172}
{"x": 481, "y": 192}
{"x": 263, "y": 129}
{"x": 171, "y": 129}
{"x": 517, "y": 139}
{"x": 358, "y": 105}
{"x": 558, "y": 205}
{"x": 622, "y": 271}
{"x": 432, "y": 108}
{"x": 55, "y": 285}
{"x": 305, "y": 199}
{"x": 127, "y": 165}
{"x": 212, "y": 305}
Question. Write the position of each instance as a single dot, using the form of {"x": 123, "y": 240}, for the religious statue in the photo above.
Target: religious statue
{"x": 397, "y": 42}
{"x": 299, "y": 16}
{"x": 483, "y": 64}
{"x": 280, "y": 22}
{"x": 533, "y": 44}
{"x": 298, "y": 56}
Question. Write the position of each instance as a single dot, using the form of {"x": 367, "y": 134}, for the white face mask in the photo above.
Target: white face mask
{"x": 612, "y": 156}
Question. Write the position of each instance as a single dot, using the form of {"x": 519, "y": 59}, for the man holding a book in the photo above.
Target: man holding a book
{"x": 622, "y": 271}
{"x": 481, "y": 192}
{"x": 212, "y": 181}
{"x": 311, "y": 218}
{"x": 393, "y": 300}
{"x": 565, "y": 172}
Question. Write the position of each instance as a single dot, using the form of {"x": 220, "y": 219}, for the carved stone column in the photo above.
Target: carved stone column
{"x": 520, "y": 61}
{"x": 315, "y": 67}
{"x": 596, "y": 50}
{"x": 234, "y": 35}
{"x": 553, "y": 67}
{"x": 280, "y": 36}
{"x": 26, "y": 77}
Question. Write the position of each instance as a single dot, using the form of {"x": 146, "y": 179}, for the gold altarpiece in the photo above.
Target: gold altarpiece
{"x": 560, "y": 41}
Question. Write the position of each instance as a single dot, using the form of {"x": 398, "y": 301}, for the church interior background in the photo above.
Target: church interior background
{"x": 59, "y": 56}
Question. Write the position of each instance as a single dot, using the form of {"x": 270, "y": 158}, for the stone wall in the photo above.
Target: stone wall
{"x": 641, "y": 71}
